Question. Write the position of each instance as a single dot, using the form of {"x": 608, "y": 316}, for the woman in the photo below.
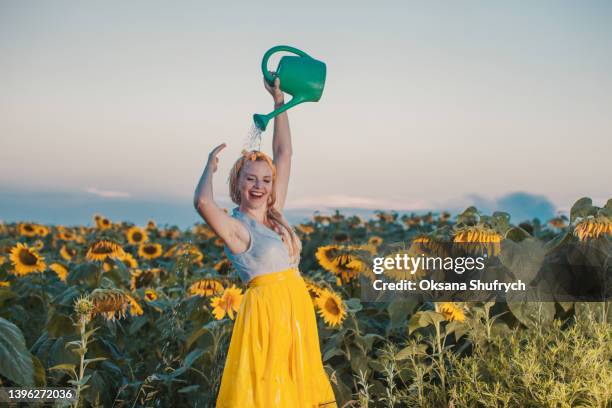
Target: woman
{"x": 274, "y": 358}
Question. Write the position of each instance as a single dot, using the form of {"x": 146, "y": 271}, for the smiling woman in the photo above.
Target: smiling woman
{"x": 274, "y": 357}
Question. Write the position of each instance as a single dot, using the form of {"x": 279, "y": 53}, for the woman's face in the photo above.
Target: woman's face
{"x": 255, "y": 184}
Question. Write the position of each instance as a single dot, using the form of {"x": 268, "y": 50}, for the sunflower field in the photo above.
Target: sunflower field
{"x": 141, "y": 316}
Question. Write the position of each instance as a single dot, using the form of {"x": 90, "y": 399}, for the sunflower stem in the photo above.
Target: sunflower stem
{"x": 82, "y": 351}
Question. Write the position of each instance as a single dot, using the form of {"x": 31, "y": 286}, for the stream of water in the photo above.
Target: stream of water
{"x": 253, "y": 139}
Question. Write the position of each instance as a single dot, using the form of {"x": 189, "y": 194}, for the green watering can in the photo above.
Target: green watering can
{"x": 301, "y": 76}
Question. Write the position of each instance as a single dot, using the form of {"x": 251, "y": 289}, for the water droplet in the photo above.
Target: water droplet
{"x": 253, "y": 139}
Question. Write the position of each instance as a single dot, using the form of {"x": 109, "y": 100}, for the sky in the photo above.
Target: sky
{"x": 426, "y": 104}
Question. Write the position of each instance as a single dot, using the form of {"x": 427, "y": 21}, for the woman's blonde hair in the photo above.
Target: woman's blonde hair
{"x": 273, "y": 216}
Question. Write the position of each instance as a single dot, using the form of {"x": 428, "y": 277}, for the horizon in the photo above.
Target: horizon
{"x": 78, "y": 208}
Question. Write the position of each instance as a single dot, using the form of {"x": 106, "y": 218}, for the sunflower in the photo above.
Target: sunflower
{"x": 314, "y": 289}
{"x": 386, "y": 217}
{"x": 330, "y": 307}
{"x": 228, "y": 303}
{"x": 479, "y": 239}
{"x": 150, "y": 251}
{"x": 424, "y": 245}
{"x": 103, "y": 223}
{"x": 129, "y": 261}
{"x": 60, "y": 270}
{"x": 305, "y": 229}
{"x": 103, "y": 249}
{"x": 204, "y": 230}
{"x": 205, "y": 288}
{"x": 375, "y": 241}
{"x": 190, "y": 252}
{"x": 144, "y": 277}
{"x": 322, "y": 219}
{"x": 38, "y": 245}
{"x": 136, "y": 235}
{"x": 223, "y": 266}
{"x": 66, "y": 235}
{"x": 451, "y": 311}
{"x": 26, "y": 260}
{"x": 5, "y": 284}
{"x": 135, "y": 308}
{"x": 42, "y": 230}
{"x": 171, "y": 234}
{"x": 593, "y": 228}
{"x": 110, "y": 303}
{"x": 67, "y": 253}
{"x": 151, "y": 225}
{"x": 84, "y": 307}
{"x": 27, "y": 229}
{"x": 557, "y": 222}
{"x": 340, "y": 261}
{"x": 2, "y": 260}
{"x": 150, "y": 295}
{"x": 400, "y": 273}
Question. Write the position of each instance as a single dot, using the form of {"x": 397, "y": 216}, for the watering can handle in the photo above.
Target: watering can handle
{"x": 264, "y": 62}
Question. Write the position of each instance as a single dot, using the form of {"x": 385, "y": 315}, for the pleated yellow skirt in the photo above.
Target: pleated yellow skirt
{"x": 274, "y": 358}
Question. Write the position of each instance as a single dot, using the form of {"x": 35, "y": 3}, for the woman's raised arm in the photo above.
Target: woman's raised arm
{"x": 230, "y": 230}
{"x": 281, "y": 145}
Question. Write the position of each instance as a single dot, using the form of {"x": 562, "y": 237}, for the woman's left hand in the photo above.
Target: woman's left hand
{"x": 275, "y": 91}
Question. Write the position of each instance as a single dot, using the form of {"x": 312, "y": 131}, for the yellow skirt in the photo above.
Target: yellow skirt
{"x": 274, "y": 358}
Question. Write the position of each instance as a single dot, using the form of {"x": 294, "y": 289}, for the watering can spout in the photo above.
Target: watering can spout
{"x": 300, "y": 75}
{"x": 261, "y": 121}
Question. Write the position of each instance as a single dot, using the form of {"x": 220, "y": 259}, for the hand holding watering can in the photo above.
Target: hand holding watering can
{"x": 275, "y": 91}
{"x": 300, "y": 75}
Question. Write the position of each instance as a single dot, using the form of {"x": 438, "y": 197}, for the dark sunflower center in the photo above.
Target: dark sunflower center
{"x": 332, "y": 307}
{"x": 150, "y": 249}
{"x": 344, "y": 260}
{"x": 27, "y": 258}
{"x": 137, "y": 236}
{"x": 341, "y": 237}
{"x": 145, "y": 279}
{"x": 28, "y": 228}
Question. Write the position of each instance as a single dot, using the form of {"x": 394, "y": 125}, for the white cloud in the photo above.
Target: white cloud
{"x": 107, "y": 193}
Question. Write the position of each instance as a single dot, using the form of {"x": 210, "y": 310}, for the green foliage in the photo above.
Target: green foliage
{"x": 15, "y": 360}
{"x": 401, "y": 353}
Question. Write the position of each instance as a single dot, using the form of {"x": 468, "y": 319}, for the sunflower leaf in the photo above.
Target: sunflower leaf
{"x": 70, "y": 368}
{"x": 582, "y": 208}
{"x": 354, "y": 305}
{"x": 424, "y": 319}
{"x": 192, "y": 357}
{"x": 15, "y": 360}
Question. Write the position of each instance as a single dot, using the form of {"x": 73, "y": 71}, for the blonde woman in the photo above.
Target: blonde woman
{"x": 274, "y": 358}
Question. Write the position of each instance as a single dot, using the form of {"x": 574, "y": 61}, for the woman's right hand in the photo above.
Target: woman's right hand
{"x": 213, "y": 160}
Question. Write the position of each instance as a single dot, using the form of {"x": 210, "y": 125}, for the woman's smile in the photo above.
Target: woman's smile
{"x": 256, "y": 194}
